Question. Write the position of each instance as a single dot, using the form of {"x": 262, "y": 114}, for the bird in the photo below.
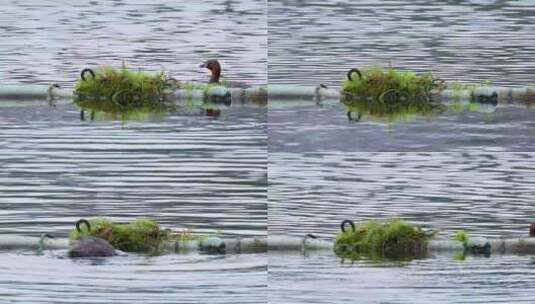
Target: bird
{"x": 214, "y": 67}
{"x": 90, "y": 246}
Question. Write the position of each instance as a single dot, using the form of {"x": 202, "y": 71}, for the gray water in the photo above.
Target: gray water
{"x": 314, "y": 129}
{"x": 57, "y": 169}
{"x": 485, "y": 194}
{"x": 185, "y": 170}
{"x": 313, "y": 42}
{"x": 48, "y": 41}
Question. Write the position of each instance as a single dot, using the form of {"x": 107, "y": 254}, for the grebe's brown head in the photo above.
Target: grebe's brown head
{"x": 214, "y": 66}
{"x": 532, "y": 230}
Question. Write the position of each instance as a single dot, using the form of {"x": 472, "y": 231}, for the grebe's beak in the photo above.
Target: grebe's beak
{"x": 203, "y": 65}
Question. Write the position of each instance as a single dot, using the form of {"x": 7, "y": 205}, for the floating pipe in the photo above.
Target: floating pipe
{"x": 218, "y": 94}
{"x": 480, "y": 95}
{"x": 287, "y": 243}
{"x": 475, "y": 245}
{"x": 209, "y": 244}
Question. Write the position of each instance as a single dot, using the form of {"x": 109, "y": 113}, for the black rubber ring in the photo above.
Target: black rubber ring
{"x": 87, "y": 70}
{"x": 353, "y": 71}
{"x": 83, "y": 221}
{"x": 343, "y": 225}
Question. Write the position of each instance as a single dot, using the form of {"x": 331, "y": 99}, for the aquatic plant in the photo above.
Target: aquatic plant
{"x": 120, "y": 88}
{"x": 390, "y": 94}
{"x": 461, "y": 236}
{"x": 393, "y": 239}
{"x": 122, "y": 93}
{"x": 141, "y": 235}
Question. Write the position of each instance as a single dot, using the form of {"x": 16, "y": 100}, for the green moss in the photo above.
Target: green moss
{"x": 391, "y": 95}
{"x": 141, "y": 235}
{"x": 461, "y": 236}
{"x": 122, "y": 91}
{"x": 394, "y": 239}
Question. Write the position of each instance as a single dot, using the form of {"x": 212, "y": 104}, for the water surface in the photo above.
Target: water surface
{"x": 185, "y": 170}
{"x": 485, "y": 194}
{"x": 310, "y": 128}
{"x": 312, "y": 42}
{"x": 49, "y": 41}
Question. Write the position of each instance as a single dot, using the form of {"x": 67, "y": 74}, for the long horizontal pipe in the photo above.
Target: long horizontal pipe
{"x": 280, "y": 243}
{"x": 254, "y": 94}
{"x": 497, "y": 246}
{"x": 259, "y": 94}
{"x": 234, "y": 245}
{"x": 505, "y": 95}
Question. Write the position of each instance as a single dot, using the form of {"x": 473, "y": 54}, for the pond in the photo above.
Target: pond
{"x": 57, "y": 169}
{"x": 485, "y": 194}
{"x": 151, "y": 36}
{"x": 313, "y": 42}
{"x": 316, "y": 42}
{"x": 304, "y": 127}
{"x": 185, "y": 169}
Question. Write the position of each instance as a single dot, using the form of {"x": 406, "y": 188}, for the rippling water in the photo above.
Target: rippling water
{"x": 312, "y": 42}
{"x": 51, "y": 40}
{"x": 295, "y": 278}
{"x": 311, "y": 129}
{"x": 27, "y": 278}
{"x": 186, "y": 171}
{"x": 486, "y": 194}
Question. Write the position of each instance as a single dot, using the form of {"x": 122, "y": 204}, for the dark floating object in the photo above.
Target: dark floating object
{"x": 90, "y": 246}
{"x": 485, "y": 95}
{"x": 354, "y": 70}
{"x": 87, "y": 70}
{"x": 343, "y": 225}
{"x": 532, "y": 230}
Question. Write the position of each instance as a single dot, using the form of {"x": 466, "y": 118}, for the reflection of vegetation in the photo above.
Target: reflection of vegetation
{"x": 390, "y": 94}
{"x": 394, "y": 239}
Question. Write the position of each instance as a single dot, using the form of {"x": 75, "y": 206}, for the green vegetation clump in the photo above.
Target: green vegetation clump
{"x": 461, "y": 236}
{"x": 141, "y": 235}
{"x": 394, "y": 239}
{"x": 122, "y": 91}
{"x": 390, "y": 94}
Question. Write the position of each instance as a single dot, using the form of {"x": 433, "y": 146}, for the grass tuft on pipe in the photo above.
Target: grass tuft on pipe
{"x": 122, "y": 91}
{"x": 390, "y": 94}
{"x": 375, "y": 240}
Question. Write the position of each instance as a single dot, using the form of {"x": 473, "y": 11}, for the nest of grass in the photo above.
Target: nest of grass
{"x": 141, "y": 235}
{"x": 394, "y": 239}
{"x": 390, "y": 94}
{"x": 114, "y": 90}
